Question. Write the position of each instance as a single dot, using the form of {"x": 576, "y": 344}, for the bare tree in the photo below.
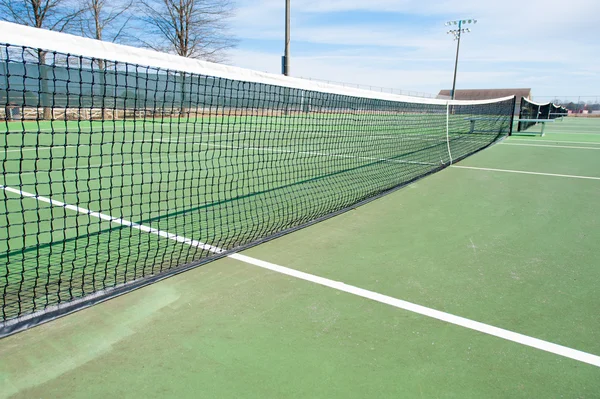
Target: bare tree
{"x": 47, "y": 14}
{"x": 58, "y": 15}
{"x": 189, "y": 28}
{"x": 108, "y": 22}
{"x": 103, "y": 21}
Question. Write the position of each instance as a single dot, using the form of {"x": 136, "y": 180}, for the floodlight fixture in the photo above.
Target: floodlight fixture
{"x": 457, "y": 34}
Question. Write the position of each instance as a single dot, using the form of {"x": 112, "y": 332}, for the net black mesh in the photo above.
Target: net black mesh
{"x": 527, "y": 110}
{"x": 146, "y": 164}
{"x": 530, "y": 110}
{"x": 557, "y": 111}
{"x": 544, "y": 112}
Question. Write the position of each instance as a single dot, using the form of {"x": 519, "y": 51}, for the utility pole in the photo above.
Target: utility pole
{"x": 286, "y": 57}
{"x": 457, "y": 34}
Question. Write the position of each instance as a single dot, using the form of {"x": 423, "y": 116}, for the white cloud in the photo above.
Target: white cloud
{"x": 368, "y": 71}
{"x": 515, "y": 43}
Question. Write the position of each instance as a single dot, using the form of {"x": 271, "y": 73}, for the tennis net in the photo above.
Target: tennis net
{"x": 557, "y": 111}
{"x": 531, "y": 111}
{"x": 121, "y": 166}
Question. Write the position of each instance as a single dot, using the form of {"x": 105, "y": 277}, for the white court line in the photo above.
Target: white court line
{"x": 508, "y": 335}
{"x": 321, "y": 154}
{"x": 116, "y": 143}
{"x": 92, "y": 165}
{"x": 425, "y": 311}
{"x": 83, "y": 167}
{"x": 556, "y": 141}
{"x": 525, "y": 172}
{"x": 41, "y": 148}
{"x": 553, "y": 146}
{"x": 195, "y": 133}
{"x": 184, "y": 132}
{"x": 570, "y": 133}
{"x": 265, "y": 149}
{"x": 111, "y": 219}
{"x": 440, "y": 138}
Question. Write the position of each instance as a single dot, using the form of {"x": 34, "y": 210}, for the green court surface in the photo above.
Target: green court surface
{"x": 508, "y": 237}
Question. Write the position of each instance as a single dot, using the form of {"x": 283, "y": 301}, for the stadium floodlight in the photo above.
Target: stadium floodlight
{"x": 457, "y": 34}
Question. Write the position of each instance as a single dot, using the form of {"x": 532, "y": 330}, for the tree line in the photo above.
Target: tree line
{"x": 189, "y": 28}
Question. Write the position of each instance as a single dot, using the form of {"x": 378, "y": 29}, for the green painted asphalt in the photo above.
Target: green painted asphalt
{"x": 510, "y": 250}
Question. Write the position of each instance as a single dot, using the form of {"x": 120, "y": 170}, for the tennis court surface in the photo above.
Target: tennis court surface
{"x": 476, "y": 279}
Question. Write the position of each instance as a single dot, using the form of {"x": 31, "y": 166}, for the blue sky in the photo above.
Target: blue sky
{"x": 403, "y": 43}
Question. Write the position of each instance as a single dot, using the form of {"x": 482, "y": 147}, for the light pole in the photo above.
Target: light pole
{"x": 457, "y": 33}
{"x": 285, "y": 65}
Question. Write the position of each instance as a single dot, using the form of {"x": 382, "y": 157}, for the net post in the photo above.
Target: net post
{"x": 512, "y": 117}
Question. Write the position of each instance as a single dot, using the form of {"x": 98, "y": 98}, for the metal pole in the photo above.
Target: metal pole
{"x": 456, "y": 61}
{"x": 286, "y": 57}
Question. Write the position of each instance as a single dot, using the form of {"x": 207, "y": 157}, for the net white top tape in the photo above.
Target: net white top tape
{"x": 14, "y": 34}
{"x": 534, "y": 103}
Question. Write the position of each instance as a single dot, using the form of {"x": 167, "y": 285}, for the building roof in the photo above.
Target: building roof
{"x": 486, "y": 94}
